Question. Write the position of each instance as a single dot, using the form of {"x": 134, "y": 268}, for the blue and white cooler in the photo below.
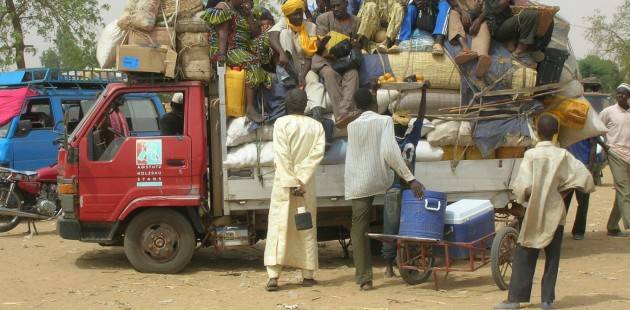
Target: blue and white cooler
{"x": 466, "y": 221}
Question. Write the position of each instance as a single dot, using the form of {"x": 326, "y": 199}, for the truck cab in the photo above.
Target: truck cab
{"x": 35, "y": 104}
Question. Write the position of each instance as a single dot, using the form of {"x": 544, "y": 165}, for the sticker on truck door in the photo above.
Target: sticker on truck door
{"x": 149, "y": 163}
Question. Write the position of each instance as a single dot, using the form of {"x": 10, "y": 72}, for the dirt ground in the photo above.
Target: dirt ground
{"x": 46, "y": 272}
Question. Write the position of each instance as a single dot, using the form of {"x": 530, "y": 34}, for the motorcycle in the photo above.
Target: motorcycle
{"x": 28, "y": 195}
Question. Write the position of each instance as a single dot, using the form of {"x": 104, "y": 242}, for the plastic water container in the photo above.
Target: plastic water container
{"x": 235, "y": 92}
{"x": 466, "y": 221}
{"x": 423, "y": 218}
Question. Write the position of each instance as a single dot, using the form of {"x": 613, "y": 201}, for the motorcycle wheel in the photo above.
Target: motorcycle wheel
{"x": 8, "y": 222}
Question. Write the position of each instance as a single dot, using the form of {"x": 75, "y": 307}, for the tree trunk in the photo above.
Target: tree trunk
{"x": 18, "y": 34}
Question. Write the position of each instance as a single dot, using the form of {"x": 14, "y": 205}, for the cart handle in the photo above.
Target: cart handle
{"x": 426, "y": 205}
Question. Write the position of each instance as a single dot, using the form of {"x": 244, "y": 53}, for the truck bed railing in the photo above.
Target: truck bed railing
{"x": 56, "y": 78}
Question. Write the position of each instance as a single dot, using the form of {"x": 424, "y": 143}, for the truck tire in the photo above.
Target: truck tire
{"x": 8, "y": 222}
{"x": 159, "y": 241}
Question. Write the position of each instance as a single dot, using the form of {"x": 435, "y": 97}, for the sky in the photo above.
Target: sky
{"x": 575, "y": 11}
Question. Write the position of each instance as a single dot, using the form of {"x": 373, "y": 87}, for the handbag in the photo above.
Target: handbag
{"x": 303, "y": 218}
{"x": 347, "y": 63}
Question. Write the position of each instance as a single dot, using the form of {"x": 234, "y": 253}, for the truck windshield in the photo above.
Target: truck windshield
{"x": 4, "y": 129}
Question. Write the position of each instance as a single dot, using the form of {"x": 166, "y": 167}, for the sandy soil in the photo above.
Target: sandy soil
{"x": 46, "y": 272}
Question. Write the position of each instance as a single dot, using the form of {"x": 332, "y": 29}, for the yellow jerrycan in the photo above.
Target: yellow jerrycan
{"x": 235, "y": 92}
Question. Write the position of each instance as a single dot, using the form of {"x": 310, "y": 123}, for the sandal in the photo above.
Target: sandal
{"x": 272, "y": 285}
{"x": 438, "y": 49}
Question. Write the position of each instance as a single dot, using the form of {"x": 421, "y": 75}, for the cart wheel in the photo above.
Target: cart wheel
{"x": 409, "y": 256}
{"x": 501, "y": 256}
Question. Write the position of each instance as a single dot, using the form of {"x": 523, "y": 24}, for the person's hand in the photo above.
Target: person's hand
{"x": 421, "y": 4}
{"x": 221, "y": 58}
{"x": 283, "y": 60}
{"x": 246, "y": 8}
{"x": 302, "y": 81}
{"x": 384, "y": 22}
{"x": 426, "y": 85}
{"x": 298, "y": 191}
{"x": 466, "y": 19}
{"x": 417, "y": 188}
{"x": 474, "y": 28}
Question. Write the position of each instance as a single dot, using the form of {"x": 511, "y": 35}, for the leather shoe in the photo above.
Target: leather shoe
{"x": 617, "y": 234}
{"x": 545, "y": 305}
{"x": 367, "y": 286}
{"x": 272, "y": 285}
{"x": 578, "y": 237}
{"x": 309, "y": 282}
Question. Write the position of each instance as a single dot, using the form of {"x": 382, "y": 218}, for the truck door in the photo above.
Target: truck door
{"x": 35, "y": 149}
{"x": 127, "y": 159}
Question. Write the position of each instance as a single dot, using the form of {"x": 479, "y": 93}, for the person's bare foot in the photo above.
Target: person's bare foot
{"x": 254, "y": 116}
{"x": 483, "y": 65}
{"x": 438, "y": 49}
{"x": 466, "y": 55}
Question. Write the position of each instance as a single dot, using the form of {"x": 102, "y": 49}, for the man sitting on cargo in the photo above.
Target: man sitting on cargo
{"x": 294, "y": 39}
{"x": 377, "y": 14}
{"x": 172, "y": 123}
{"x": 298, "y": 144}
{"x": 467, "y": 17}
{"x": 373, "y": 158}
{"x": 508, "y": 28}
{"x": 546, "y": 172}
{"x": 340, "y": 86}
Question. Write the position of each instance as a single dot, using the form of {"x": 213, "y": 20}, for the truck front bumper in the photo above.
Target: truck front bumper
{"x": 69, "y": 228}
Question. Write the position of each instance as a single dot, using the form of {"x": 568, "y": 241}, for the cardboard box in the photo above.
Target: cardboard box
{"x": 135, "y": 58}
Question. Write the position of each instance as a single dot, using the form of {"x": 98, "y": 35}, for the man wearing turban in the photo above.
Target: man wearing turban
{"x": 294, "y": 39}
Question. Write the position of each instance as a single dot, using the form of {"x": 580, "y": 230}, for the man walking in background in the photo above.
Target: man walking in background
{"x": 373, "y": 158}
{"x": 617, "y": 120}
{"x": 298, "y": 145}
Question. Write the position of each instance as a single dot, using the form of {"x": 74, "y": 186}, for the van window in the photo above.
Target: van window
{"x": 39, "y": 112}
{"x": 4, "y": 129}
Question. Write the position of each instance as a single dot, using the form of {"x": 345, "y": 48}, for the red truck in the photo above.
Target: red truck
{"x": 161, "y": 196}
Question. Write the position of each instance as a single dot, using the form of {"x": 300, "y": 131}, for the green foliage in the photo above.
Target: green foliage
{"x": 45, "y": 18}
{"x": 612, "y": 37}
{"x": 605, "y": 70}
{"x": 68, "y": 54}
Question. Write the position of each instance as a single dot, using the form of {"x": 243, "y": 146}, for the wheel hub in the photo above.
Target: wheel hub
{"x": 160, "y": 242}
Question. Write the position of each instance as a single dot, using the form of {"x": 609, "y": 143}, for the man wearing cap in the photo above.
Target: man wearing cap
{"x": 372, "y": 160}
{"x": 407, "y": 137}
{"x": 295, "y": 41}
{"x": 617, "y": 120}
{"x": 172, "y": 123}
{"x": 340, "y": 86}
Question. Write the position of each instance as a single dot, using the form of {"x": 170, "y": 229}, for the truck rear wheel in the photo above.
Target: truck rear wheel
{"x": 159, "y": 241}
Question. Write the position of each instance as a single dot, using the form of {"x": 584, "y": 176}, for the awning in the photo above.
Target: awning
{"x": 11, "y": 102}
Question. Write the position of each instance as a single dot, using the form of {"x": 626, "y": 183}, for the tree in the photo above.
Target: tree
{"x": 68, "y": 54}
{"x": 606, "y": 71}
{"x": 612, "y": 38}
{"x": 44, "y": 18}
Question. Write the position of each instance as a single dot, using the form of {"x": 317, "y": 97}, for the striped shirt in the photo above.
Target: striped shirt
{"x": 373, "y": 157}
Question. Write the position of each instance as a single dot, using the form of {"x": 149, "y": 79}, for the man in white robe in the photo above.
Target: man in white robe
{"x": 298, "y": 143}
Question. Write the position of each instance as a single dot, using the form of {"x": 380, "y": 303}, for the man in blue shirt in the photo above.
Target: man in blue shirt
{"x": 407, "y": 139}
{"x": 583, "y": 151}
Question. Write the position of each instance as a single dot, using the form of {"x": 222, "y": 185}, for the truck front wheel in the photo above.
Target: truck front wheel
{"x": 159, "y": 241}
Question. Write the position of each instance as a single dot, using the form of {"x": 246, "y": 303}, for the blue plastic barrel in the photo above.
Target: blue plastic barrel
{"x": 423, "y": 218}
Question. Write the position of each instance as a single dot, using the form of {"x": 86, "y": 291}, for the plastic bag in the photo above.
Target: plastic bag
{"x": 247, "y": 156}
{"x": 139, "y": 14}
{"x": 570, "y": 113}
{"x": 427, "y": 153}
{"x": 111, "y": 37}
{"x": 448, "y": 133}
{"x": 593, "y": 127}
{"x": 238, "y": 132}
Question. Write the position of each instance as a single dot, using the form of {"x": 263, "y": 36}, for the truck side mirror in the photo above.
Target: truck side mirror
{"x": 24, "y": 128}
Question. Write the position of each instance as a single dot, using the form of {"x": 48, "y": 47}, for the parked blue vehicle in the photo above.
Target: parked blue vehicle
{"x": 35, "y": 102}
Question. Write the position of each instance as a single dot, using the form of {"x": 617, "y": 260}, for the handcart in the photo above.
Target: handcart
{"x": 419, "y": 258}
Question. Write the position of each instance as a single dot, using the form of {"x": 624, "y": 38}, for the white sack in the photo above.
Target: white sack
{"x": 427, "y": 153}
{"x": 427, "y": 126}
{"x": 111, "y": 37}
{"x": 409, "y": 101}
{"x": 593, "y": 127}
{"x": 448, "y": 133}
{"x": 140, "y": 15}
{"x": 238, "y": 132}
{"x": 385, "y": 97}
{"x": 246, "y": 156}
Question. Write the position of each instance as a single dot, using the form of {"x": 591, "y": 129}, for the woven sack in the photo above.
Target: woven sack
{"x": 186, "y": 7}
{"x": 441, "y": 71}
{"x": 192, "y": 39}
{"x": 195, "y": 64}
{"x": 140, "y": 15}
{"x": 158, "y": 36}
